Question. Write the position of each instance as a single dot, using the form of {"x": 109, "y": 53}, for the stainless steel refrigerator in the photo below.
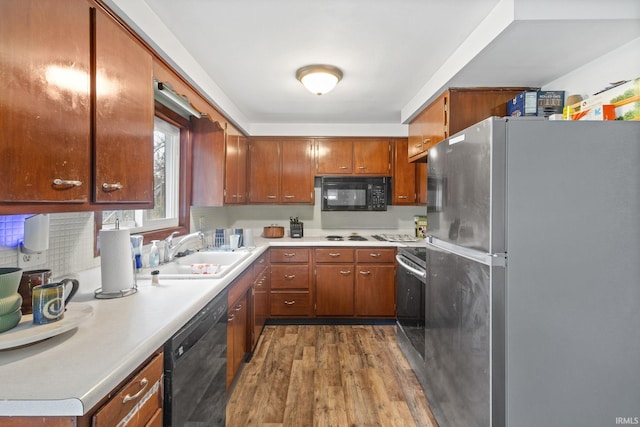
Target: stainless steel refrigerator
{"x": 533, "y": 257}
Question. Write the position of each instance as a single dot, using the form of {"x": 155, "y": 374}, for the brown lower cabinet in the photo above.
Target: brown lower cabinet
{"x": 143, "y": 388}
{"x": 335, "y": 280}
{"x": 290, "y": 294}
{"x": 356, "y": 282}
{"x": 260, "y": 303}
{"x": 149, "y": 380}
{"x": 238, "y": 323}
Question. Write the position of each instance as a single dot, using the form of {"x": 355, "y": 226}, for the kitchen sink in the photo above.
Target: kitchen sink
{"x": 199, "y": 265}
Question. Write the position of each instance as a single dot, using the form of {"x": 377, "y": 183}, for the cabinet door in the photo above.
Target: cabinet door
{"x": 297, "y": 171}
{"x": 207, "y": 166}
{"x": 260, "y": 304}
{"x": 404, "y": 175}
{"x": 375, "y": 291}
{"x": 45, "y": 130}
{"x": 264, "y": 171}
{"x": 334, "y": 289}
{"x": 416, "y": 143}
{"x": 236, "y": 336}
{"x": 421, "y": 182}
{"x": 230, "y": 175}
{"x": 241, "y": 169}
{"x": 372, "y": 157}
{"x": 435, "y": 123}
{"x": 124, "y": 111}
{"x": 334, "y": 157}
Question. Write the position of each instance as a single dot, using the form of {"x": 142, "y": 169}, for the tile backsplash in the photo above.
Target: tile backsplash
{"x": 70, "y": 242}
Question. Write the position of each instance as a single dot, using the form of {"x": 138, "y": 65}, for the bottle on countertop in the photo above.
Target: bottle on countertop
{"x": 154, "y": 254}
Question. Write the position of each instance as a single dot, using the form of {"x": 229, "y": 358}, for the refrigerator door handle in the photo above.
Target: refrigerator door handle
{"x": 492, "y": 260}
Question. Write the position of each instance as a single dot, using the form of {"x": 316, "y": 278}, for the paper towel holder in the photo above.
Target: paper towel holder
{"x": 101, "y": 294}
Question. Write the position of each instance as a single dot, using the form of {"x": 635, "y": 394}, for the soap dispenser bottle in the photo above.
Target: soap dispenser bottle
{"x": 154, "y": 254}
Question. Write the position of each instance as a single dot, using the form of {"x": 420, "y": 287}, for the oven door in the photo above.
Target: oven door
{"x": 410, "y": 309}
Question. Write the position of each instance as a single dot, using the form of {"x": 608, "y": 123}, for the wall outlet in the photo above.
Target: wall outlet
{"x": 30, "y": 260}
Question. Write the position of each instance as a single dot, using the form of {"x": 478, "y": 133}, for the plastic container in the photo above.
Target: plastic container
{"x": 154, "y": 254}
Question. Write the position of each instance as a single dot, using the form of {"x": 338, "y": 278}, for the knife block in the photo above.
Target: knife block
{"x": 296, "y": 230}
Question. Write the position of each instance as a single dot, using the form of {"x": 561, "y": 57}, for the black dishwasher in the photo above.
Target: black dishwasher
{"x": 195, "y": 369}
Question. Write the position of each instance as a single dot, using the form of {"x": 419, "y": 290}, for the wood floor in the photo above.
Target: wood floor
{"x": 320, "y": 375}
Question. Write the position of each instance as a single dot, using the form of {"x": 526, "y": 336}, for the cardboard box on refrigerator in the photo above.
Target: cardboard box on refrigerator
{"x": 536, "y": 103}
{"x": 624, "y": 97}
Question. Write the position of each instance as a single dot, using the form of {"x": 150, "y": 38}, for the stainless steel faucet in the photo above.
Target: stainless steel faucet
{"x": 170, "y": 249}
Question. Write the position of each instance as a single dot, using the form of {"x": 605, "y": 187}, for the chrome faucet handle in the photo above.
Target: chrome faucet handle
{"x": 169, "y": 238}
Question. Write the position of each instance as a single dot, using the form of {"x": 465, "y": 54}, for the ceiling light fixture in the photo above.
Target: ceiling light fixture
{"x": 319, "y": 78}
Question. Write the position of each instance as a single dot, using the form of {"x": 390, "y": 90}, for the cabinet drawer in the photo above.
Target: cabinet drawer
{"x": 376, "y": 255}
{"x": 290, "y": 276}
{"x": 290, "y": 304}
{"x": 335, "y": 255}
{"x": 289, "y": 255}
{"x": 145, "y": 387}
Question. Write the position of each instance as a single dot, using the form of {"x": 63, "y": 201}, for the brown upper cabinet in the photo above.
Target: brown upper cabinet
{"x": 208, "y": 163}
{"x": 454, "y": 110}
{"x": 353, "y": 156}
{"x": 76, "y": 120}
{"x": 404, "y": 183}
{"x": 235, "y": 174}
{"x": 281, "y": 171}
{"x": 124, "y": 110}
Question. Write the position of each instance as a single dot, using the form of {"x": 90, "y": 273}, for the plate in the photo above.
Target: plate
{"x": 26, "y": 332}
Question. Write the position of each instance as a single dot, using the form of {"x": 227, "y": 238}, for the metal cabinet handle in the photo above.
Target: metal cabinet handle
{"x": 426, "y": 141}
{"x": 376, "y": 255}
{"x": 289, "y": 276}
{"x": 418, "y": 145}
{"x": 334, "y": 254}
{"x": 115, "y": 186}
{"x": 270, "y": 196}
{"x": 344, "y": 273}
{"x": 290, "y": 302}
{"x": 143, "y": 383}
{"x": 59, "y": 181}
{"x": 237, "y": 307}
{"x": 290, "y": 254}
{"x": 230, "y": 318}
{"x": 362, "y": 167}
{"x": 403, "y": 197}
{"x": 344, "y": 167}
{"x": 289, "y": 197}
{"x": 365, "y": 273}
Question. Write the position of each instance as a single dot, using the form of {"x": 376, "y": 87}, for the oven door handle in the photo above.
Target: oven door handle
{"x": 419, "y": 273}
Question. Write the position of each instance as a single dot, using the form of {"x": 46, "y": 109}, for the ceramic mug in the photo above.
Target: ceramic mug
{"x": 30, "y": 279}
{"x": 49, "y": 300}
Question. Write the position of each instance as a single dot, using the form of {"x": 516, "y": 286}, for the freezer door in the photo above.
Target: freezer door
{"x": 466, "y": 182}
{"x": 458, "y": 340}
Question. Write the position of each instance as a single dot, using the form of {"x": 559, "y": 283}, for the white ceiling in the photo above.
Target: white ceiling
{"x": 396, "y": 55}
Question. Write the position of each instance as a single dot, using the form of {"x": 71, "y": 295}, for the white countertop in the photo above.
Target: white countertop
{"x": 70, "y": 373}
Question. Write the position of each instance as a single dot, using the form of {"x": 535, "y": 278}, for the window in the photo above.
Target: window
{"x": 166, "y": 212}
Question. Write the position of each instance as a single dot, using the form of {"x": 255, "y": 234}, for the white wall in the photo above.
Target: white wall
{"x": 620, "y": 64}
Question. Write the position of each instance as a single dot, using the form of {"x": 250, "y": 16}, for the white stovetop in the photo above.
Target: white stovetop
{"x": 69, "y": 373}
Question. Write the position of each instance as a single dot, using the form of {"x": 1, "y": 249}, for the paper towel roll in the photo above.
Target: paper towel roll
{"x": 36, "y": 233}
{"x": 116, "y": 264}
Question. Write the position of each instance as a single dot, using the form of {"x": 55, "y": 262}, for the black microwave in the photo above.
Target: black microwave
{"x": 355, "y": 194}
